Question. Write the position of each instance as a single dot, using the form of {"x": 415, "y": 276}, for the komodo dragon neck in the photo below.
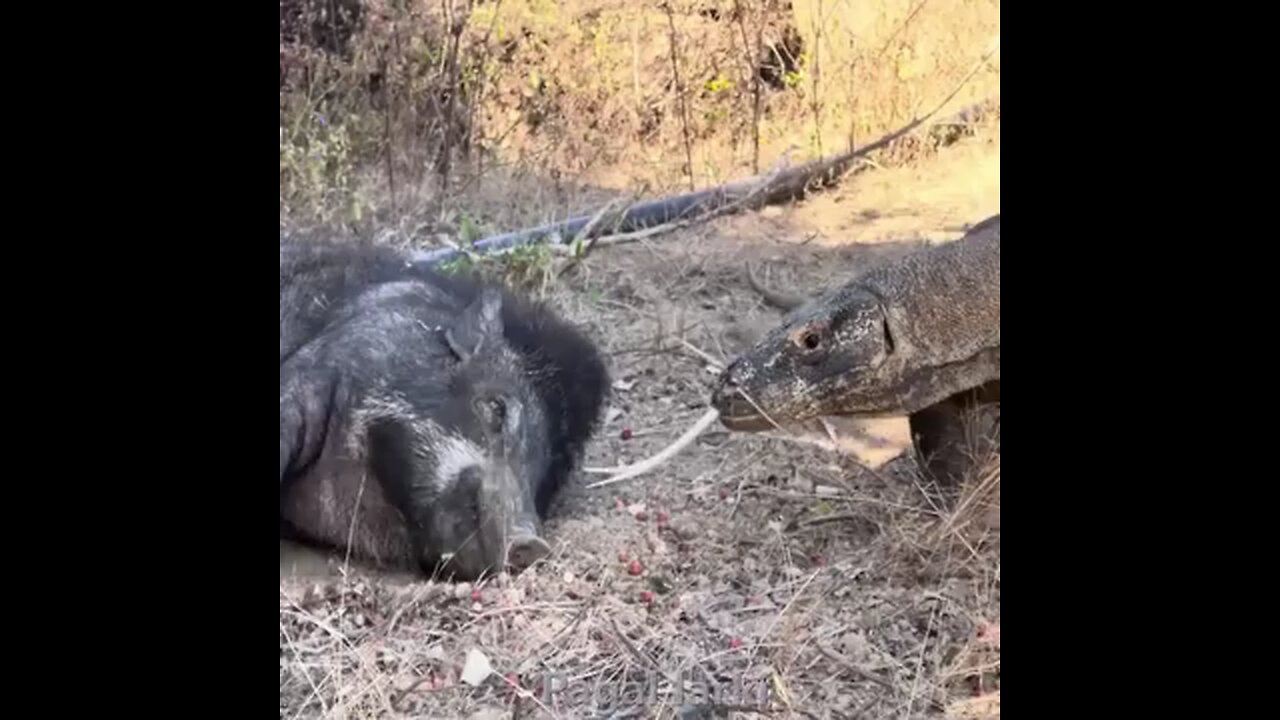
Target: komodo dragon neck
{"x": 944, "y": 303}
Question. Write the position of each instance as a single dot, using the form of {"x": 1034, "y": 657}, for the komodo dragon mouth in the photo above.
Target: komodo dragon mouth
{"x": 737, "y": 413}
{"x": 746, "y": 423}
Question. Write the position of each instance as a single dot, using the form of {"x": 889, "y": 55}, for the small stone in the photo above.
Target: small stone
{"x": 685, "y": 529}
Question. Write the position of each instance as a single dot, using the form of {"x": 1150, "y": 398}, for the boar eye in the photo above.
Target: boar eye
{"x": 493, "y": 410}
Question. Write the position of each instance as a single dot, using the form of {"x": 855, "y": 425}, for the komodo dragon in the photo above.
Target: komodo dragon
{"x": 917, "y": 337}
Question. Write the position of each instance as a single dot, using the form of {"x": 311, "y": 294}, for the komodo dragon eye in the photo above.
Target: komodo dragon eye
{"x": 809, "y": 337}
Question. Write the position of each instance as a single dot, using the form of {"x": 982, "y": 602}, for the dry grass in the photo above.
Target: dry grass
{"x": 569, "y": 101}
{"x": 832, "y": 590}
{"x": 735, "y": 601}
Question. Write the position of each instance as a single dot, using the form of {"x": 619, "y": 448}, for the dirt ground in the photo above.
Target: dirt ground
{"x": 776, "y": 576}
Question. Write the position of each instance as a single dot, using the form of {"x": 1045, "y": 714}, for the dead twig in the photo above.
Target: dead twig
{"x": 847, "y": 664}
{"x": 612, "y": 211}
{"x": 679, "y": 90}
{"x": 795, "y": 525}
{"x": 715, "y": 364}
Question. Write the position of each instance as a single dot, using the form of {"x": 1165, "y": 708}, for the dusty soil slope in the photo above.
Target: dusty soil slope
{"x": 773, "y": 573}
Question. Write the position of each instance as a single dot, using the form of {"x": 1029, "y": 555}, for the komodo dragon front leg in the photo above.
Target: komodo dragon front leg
{"x": 918, "y": 337}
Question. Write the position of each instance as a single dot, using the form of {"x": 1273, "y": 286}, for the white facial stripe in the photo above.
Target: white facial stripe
{"x": 514, "y": 410}
{"x": 453, "y": 455}
{"x": 375, "y": 407}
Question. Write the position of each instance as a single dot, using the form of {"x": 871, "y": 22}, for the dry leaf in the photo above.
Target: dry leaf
{"x": 476, "y": 669}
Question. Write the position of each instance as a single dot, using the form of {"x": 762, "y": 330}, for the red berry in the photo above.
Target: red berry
{"x": 476, "y": 596}
{"x": 819, "y": 560}
{"x": 735, "y": 643}
{"x": 646, "y": 597}
{"x": 635, "y": 568}
{"x": 642, "y": 516}
{"x": 626, "y": 433}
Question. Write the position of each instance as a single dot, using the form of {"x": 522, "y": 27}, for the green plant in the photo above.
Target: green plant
{"x": 528, "y": 267}
{"x": 318, "y": 171}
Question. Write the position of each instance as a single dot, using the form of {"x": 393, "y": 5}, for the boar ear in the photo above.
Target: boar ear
{"x": 479, "y": 323}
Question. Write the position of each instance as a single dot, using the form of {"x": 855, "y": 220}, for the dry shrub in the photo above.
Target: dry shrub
{"x": 410, "y": 107}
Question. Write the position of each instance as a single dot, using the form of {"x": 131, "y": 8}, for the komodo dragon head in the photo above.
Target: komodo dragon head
{"x": 821, "y": 353}
{"x": 893, "y": 341}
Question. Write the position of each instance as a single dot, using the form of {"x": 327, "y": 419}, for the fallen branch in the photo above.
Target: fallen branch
{"x": 748, "y": 201}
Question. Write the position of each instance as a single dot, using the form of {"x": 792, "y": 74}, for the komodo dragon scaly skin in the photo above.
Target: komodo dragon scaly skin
{"x": 912, "y": 337}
